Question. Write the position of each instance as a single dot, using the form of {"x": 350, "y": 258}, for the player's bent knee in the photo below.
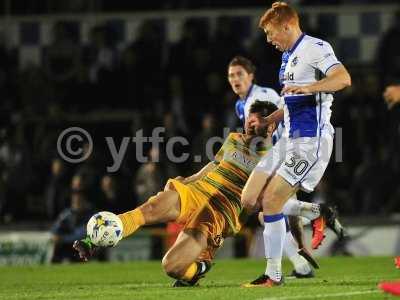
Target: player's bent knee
{"x": 172, "y": 267}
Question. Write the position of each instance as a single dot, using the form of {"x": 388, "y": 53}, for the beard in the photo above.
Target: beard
{"x": 261, "y": 130}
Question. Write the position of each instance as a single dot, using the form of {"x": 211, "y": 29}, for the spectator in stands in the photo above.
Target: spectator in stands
{"x": 147, "y": 52}
{"x": 110, "y": 197}
{"x": 98, "y": 55}
{"x": 228, "y": 41}
{"x": 99, "y": 58}
{"x": 62, "y": 63}
{"x": 89, "y": 172}
{"x": 392, "y": 95}
{"x": 150, "y": 177}
{"x": 388, "y": 56}
{"x": 70, "y": 225}
{"x": 57, "y": 190}
{"x": 268, "y": 59}
{"x": 16, "y": 171}
{"x": 171, "y": 169}
{"x": 200, "y": 146}
{"x": 192, "y": 50}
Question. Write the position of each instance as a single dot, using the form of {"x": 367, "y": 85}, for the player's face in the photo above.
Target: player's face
{"x": 277, "y": 35}
{"x": 240, "y": 80}
{"x": 252, "y": 130}
{"x": 260, "y": 131}
{"x": 249, "y": 130}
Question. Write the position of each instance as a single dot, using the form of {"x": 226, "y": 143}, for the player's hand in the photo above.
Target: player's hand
{"x": 257, "y": 122}
{"x": 287, "y": 90}
{"x": 180, "y": 178}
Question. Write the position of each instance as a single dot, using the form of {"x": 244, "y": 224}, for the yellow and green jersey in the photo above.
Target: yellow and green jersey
{"x": 224, "y": 184}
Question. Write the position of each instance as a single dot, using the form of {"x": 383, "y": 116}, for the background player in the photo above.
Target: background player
{"x": 241, "y": 77}
{"x": 300, "y": 158}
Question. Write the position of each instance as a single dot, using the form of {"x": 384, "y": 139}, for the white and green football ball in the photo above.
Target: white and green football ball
{"x": 105, "y": 229}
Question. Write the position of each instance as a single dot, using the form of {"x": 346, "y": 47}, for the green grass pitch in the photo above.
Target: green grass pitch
{"x": 338, "y": 278}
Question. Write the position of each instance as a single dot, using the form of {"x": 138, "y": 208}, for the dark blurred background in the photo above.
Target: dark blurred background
{"x": 115, "y": 67}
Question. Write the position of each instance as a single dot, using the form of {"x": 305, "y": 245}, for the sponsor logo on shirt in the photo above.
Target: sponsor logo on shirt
{"x": 294, "y": 61}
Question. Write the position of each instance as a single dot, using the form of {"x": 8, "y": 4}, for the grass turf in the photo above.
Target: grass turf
{"x": 338, "y": 278}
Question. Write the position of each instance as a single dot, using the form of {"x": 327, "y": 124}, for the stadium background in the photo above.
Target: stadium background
{"x": 114, "y": 69}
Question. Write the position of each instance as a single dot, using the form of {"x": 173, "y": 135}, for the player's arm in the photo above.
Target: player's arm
{"x": 259, "y": 122}
{"x": 322, "y": 57}
{"x": 337, "y": 78}
{"x": 207, "y": 168}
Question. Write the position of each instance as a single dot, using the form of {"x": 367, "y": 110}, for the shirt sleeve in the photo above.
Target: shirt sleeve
{"x": 268, "y": 94}
{"x": 273, "y": 97}
{"x": 321, "y": 56}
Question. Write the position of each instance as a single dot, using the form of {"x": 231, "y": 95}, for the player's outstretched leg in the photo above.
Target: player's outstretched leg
{"x": 302, "y": 267}
{"x": 277, "y": 192}
{"x": 296, "y": 228}
{"x": 163, "y": 207}
{"x": 320, "y": 215}
{"x": 180, "y": 261}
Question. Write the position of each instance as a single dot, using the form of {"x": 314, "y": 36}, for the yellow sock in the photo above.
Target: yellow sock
{"x": 132, "y": 220}
{"x": 190, "y": 272}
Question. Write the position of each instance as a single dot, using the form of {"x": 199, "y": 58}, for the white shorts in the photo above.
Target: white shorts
{"x": 301, "y": 161}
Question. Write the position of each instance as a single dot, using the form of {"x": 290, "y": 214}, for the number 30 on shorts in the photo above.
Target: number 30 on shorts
{"x": 299, "y": 166}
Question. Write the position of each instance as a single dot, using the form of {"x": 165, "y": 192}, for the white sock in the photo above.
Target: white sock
{"x": 292, "y": 207}
{"x": 274, "y": 238}
{"x": 309, "y": 210}
{"x": 274, "y": 269}
{"x": 305, "y": 221}
{"x": 290, "y": 247}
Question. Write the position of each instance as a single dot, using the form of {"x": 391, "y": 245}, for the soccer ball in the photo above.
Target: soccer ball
{"x": 104, "y": 229}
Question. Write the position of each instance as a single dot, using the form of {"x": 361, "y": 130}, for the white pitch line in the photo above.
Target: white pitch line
{"x": 322, "y": 296}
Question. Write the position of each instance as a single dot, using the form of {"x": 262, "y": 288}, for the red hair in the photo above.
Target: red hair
{"x": 280, "y": 12}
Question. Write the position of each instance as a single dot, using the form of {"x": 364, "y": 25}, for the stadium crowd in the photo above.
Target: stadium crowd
{"x": 183, "y": 87}
{"x": 21, "y": 7}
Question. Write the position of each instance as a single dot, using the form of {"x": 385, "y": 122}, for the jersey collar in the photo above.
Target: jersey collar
{"x": 297, "y": 43}
{"x": 248, "y": 93}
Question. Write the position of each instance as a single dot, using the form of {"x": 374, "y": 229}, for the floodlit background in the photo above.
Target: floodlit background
{"x": 114, "y": 69}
